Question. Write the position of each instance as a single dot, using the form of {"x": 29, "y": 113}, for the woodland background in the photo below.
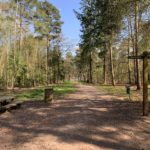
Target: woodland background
{"x": 33, "y": 49}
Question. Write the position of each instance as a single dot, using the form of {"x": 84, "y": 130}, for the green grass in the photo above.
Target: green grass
{"x": 64, "y": 89}
{"x": 117, "y": 90}
{"x": 30, "y": 94}
{"x": 38, "y": 93}
{"x": 120, "y": 91}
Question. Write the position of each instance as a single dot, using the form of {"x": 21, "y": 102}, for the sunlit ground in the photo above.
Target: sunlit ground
{"x": 120, "y": 91}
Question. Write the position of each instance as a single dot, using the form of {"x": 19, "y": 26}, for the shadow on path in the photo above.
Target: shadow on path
{"x": 86, "y": 120}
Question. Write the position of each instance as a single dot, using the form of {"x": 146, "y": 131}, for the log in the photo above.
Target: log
{"x": 10, "y": 106}
{"x": 48, "y": 95}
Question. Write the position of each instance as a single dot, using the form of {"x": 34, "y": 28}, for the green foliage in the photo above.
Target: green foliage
{"x": 108, "y": 31}
{"x": 30, "y": 59}
{"x": 47, "y": 20}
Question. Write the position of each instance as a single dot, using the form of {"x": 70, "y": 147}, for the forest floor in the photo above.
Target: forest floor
{"x": 87, "y": 119}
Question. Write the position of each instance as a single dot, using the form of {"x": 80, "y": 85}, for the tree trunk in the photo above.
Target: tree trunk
{"x": 90, "y": 69}
{"x": 58, "y": 70}
{"x": 133, "y": 47}
{"x": 129, "y": 66}
{"x": 46, "y": 63}
{"x": 14, "y": 51}
{"x": 88, "y": 76}
{"x": 20, "y": 32}
{"x": 111, "y": 65}
{"x": 136, "y": 45}
{"x": 104, "y": 70}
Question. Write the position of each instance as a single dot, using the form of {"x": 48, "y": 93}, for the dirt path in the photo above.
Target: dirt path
{"x": 85, "y": 120}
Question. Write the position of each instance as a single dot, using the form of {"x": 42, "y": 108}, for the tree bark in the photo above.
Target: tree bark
{"x": 14, "y": 51}
{"x": 136, "y": 44}
{"x": 104, "y": 70}
{"x": 111, "y": 65}
{"x": 133, "y": 47}
{"x": 20, "y": 32}
{"x": 90, "y": 69}
{"x": 58, "y": 70}
{"x": 47, "y": 60}
{"x": 129, "y": 66}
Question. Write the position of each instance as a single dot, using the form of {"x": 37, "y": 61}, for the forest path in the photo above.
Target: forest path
{"x": 85, "y": 120}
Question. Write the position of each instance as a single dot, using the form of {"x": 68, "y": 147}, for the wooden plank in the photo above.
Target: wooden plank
{"x": 10, "y": 106}
{"x": 18, "y": 103}
{"x": 3, "y": 98}
{"x": 13, "y": 105}
{"x": 6, "y": 100}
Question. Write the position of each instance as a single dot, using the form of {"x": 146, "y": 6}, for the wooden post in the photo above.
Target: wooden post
{"x": 145, "y": 56}
{"x": 145, "y": 84}
{"x": 48, "y": 97}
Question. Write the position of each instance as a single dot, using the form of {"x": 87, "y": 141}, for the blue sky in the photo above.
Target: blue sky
{"x": 71, "y": 26}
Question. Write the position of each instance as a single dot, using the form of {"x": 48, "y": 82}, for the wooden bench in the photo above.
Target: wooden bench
{"x": 8, "y": 103}
{"x": 13, "y": 105}
{"x": 5, "y": 100}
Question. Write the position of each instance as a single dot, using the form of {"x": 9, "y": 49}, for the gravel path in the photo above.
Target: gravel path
{"x": 85, "y": 120}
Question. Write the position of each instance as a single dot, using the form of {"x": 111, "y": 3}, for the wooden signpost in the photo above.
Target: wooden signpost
{"x": 145, "y": 56}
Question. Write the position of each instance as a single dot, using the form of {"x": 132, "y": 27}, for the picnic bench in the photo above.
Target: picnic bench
{"x": 8, "y": 103}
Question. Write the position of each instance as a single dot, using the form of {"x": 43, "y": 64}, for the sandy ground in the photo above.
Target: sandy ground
{"x": 85, "y": 120}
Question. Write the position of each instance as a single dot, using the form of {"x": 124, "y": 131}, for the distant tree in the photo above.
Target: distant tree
{"x": 47, "y": 26}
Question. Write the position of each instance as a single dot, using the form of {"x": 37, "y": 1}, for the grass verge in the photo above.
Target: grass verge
{"x": 38, "y": 93}
{"x": 120, "y": 91}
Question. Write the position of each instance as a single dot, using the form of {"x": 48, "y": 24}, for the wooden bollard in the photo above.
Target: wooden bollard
{"x": 48, "y": 96}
